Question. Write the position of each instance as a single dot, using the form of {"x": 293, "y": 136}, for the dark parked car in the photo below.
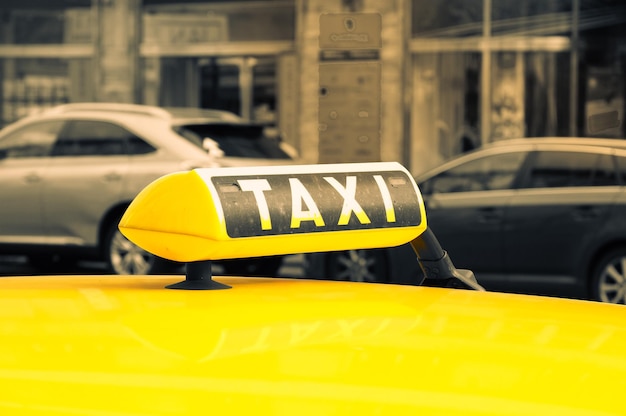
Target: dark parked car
{"x": 545, "y": 216}
{"x": 68, "y": 174}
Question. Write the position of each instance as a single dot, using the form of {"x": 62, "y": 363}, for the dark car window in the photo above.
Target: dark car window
{"x": 236, "y": 140}
{"x": 98, "y": 138}
{"x": 137, "y": 146}
{"x": 552, "y": 169}
{"x": 34, "y": 140}
{"x": 621, "y": 165}
{"x": 485, "y": 174}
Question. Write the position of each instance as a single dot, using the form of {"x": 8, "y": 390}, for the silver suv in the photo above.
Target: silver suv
{"x": 68, "y": 174}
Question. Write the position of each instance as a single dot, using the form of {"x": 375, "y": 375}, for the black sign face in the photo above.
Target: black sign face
{"x": 261, "y": 205}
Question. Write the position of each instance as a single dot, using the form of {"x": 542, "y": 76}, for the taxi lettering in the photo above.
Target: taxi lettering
{"x": 304, "y": 208}
{"x": 305, "y": 203}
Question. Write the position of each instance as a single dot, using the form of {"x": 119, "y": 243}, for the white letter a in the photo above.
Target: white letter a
{"x": 300, "y": 196}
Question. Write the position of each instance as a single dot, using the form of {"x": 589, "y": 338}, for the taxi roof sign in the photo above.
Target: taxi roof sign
{"x": 224, "y": 213}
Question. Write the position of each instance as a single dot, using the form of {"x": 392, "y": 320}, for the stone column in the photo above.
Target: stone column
{"x": 393, "y": 57}
{"x": 116, "y": 56}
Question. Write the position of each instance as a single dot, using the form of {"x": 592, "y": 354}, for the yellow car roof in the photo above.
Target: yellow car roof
{"x": 127, "y": 346}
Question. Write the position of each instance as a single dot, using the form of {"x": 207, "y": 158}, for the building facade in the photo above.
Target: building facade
{"x": 413, "y": 81}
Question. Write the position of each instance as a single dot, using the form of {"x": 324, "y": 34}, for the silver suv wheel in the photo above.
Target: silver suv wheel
{"x": 128, "y": 258}
{"x": 358, "y": 266}
{"x": 609, "y": 280}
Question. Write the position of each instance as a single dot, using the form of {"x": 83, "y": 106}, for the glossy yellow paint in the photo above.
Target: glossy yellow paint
{"x": 126, "y": 346}
{"x": 181, "y": 217}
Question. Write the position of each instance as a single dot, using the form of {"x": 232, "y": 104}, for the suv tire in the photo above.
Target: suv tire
{"x": 358, "y": 266}
{"x": 126, "y": 258}
{"x": 608, "y": 281}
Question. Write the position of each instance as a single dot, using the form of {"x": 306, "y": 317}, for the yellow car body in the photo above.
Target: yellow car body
{"x": 89, "y": 345}
{"x": 111, "y": 346}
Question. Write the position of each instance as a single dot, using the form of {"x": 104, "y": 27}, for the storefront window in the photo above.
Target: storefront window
{"x": 447, "y": 18}
{"x": 33, "y": 85}
{"x": 29, "y": 83}
{"x": 602, "y": 42}
{"x": 447, "y": 102}
{"x": 530, "y": 95}
{"x": 547, "y": 93}
{"x": 531, "y": 17}
{"x": 35, "y": 27}
{"x": 219, "y": 85}
{"x": 264, "y": 91}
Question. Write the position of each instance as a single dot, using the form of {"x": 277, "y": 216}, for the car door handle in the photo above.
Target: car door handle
{"x": 112, "y": 177}
{"x": 32, "y": 178}
{"x": 489, "y": 214}
{"x": 586, "y": 213}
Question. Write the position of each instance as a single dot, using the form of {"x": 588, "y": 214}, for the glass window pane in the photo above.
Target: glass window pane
{"x": 447, "y": 18}
{"x": 31, "y": 141}
{"x": 621, "y": 166}
{"x": 264, "y": 91}
{"x": 531, "y": 17}
{"x": 485, "y": 174}
{"x": 36, "y": 84}
{"x": 219, "y": 86}
{"x": 137, "y": 146}
{"x": 59, "y": 22}
{"x": 92, "y": 138}
{"x": 237, "y": 140}
{"x": 569, "y": 169}
{"x": 446, "y": 110}
{"x": 38, "y": 27}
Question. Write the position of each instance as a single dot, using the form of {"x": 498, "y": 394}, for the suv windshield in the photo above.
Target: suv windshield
{"x": 235, "y": 140}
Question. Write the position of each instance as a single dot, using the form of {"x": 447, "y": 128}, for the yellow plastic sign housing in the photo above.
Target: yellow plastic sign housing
{"x": 225, "y": 213}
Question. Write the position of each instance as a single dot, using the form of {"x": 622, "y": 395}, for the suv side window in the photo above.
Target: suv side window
{"x": 137, "y": 146}
{"x": 34, "y": 140}
{"x": 552, "y": 169}
{"x": 621, "y": 166}
{"x": 98, "y": 138}
{"x": 489, "y": 173}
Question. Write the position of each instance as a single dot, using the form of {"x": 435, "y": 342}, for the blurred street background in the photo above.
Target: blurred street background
{"x": 414, "y": 81}
{"x": 417, "y": 82}
{"x": 292, "y": 266}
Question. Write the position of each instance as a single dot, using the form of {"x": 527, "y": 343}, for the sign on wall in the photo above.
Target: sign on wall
{"x": 349, "y": 89}
{"x": 350, "y": 31}
{"x": 182, "y": 29}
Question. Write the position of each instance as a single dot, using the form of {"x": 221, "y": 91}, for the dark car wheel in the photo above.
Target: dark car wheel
{"x": 358, "y": 266}
{"x": 608, "y": 282}
{"x": 124, "y": 257}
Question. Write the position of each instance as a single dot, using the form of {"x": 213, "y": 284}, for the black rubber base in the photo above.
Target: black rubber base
{"x": 199, "y": 277}
{"x": 207, "y": 284}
